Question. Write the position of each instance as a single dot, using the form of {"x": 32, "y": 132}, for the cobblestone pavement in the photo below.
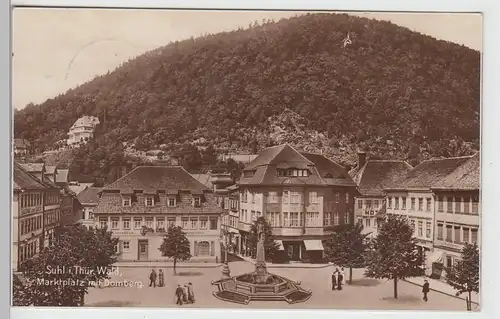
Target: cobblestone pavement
{"x": 362, "y": 294}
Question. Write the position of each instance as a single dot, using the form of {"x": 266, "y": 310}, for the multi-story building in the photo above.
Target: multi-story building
{"x": 457, "y": 216}
{"x": 51, "y": 202}
{"x": 88, "y": 198}
{"x": 35, "y": 213}
{"x": 21, "y": 147}
{"x": 230, "y": 219}
{"x": 139, "y": 207}
{"x": 412, "y": 197}
{"x": 82, "y": 130}
{"x": 301, "y": 195}
{"x": 372, "y": 177}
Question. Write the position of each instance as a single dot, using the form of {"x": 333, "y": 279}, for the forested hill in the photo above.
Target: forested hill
{"x": 391, "y": 91}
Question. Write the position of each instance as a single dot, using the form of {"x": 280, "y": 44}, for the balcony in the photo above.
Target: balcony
{"x": 458, "y": 218}
{"x": 31, "y": 210}
{"x": 446, "y": 244}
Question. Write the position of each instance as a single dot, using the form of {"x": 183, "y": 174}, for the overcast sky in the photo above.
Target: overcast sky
{"x": 58, "y": 49}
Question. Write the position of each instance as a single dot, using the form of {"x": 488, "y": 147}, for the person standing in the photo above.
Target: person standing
{"x": 425, "y": 289}
{"x": 190, "y": 293}
{"x": 178, "y": 294}
{"x": 161, "y": 278}
{"x": 343, "y": 275}
{"x": 340, "y": 279}
{"x": 185, "y": 293}
{"x": 334, "y": 280}
{"x": 152, "y": 278}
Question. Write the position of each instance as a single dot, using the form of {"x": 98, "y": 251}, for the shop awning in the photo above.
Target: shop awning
{"x": 436, "y": 257}
{"x": 313, "y": 244}
{"x": 280, "y": 243}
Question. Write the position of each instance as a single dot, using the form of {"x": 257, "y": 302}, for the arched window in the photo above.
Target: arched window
{"x": 203, "y": 248}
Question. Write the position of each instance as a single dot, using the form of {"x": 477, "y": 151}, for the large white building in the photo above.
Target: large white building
{"x": 82, "y": 130}
{"x": 139, "y": 207}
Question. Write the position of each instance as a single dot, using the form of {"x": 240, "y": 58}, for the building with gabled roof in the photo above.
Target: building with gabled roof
{"x": 140, "y": 206}
{"x": 35, "y": 211}
{"x": 302, "y": 195}
{"x": 372, "y": 177}
{"x": 412, "y": 196}
{"x": 21, "y": 147}
{"x": 457, "y": 214}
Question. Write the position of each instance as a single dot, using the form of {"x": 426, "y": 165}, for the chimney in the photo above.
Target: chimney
{"x": 361, "y": 158}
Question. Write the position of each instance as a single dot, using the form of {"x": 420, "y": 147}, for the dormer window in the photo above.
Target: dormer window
{"x": 293, "y": 172}
{"x": 126, "y": 201}
{"x": 150, "y": 201}
{"x": 197, "y": 201}
{"x": 171, "y": 202}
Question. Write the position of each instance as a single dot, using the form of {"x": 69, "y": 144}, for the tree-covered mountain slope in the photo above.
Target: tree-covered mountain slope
{"x": 392, "y": 92}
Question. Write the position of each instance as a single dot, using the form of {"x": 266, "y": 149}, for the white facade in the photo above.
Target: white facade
{"x": 82, "y": 130}
{"x": 365, "y": 212}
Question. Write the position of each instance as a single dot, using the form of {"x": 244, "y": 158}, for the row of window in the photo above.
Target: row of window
{"x": 458, "y": 205}
{"x": 293, "y": 172}
{"x": 424, "y": 204}
{"x": 52, "y": 198}
{"x": 291, "y": 197}
{"x": 307, "y": 219}
{"x": 202, "y": 248}
{"x": 28, "y": 250}
{"x": 30, "y": 200}
{"x": 368, "y": 222}
{"x": 458, "y": 234}
{"x": 249, "y": 218}
{"x": 229, "y": 220}
{"x": 31, "y": 224}
{"x": 369, "y": 204}
{"x": 418, "y": 228}
{"x": 52, "y": 217}
{"x": 149, "y": 201}
{"x": 158, "y": 223}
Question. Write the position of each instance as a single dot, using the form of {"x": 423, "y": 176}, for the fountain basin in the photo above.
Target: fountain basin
{"x": 252, "y": 286}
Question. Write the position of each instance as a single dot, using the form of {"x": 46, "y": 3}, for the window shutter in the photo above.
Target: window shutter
{"x": 212, "y": 248}
{"x": 195, "y": 250}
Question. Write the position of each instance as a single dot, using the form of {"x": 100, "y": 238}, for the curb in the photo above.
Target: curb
{"x": 299, "y": 266}
{"x": 167, "y": 266}
{"x": 441, "y": 292}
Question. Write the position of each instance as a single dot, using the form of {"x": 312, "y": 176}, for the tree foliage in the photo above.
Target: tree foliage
{"x": 270, "y": 245}
{"x": 464, "y": 275}
{"x": 347, "y": 246}
{"x": 395, "y": 255}
{"x": 82, "y": 257}
{"x": 419, "y": 89}
{"x": 175, "y": 245}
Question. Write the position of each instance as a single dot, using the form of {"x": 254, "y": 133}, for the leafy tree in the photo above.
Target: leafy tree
{"x": 270, "y": 244}
{"x": 84, "y": 258}
{"x": 395, "y": 255}
{"x": 209, "y": 156}
{"x": 347, "y": 246}
{"x": 175, "y": 245}
{"x": 464, "y": 275}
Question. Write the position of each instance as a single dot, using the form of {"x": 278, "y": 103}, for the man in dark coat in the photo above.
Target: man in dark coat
{"x": 334, "y": 280}
{"x": 340, "y": 278}
{"x": 179, "y": 293}
{"x": 425, "y": 289}
{"x": 152, "y": 278}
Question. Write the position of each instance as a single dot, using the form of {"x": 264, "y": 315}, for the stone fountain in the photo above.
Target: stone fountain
{"x": 260, "y": 284}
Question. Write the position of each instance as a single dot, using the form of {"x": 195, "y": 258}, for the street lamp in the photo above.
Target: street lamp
{"x": 226, "y": 272}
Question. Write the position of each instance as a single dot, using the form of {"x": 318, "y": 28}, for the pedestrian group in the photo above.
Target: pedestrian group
{"x": 183, "y": 294}
{"x": 338, "y": 279}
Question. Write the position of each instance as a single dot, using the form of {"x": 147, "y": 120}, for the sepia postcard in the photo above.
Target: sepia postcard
{"x": 246, "y": 159}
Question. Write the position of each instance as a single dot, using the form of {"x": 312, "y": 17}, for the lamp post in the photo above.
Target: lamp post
{"x": 226, "y": 272}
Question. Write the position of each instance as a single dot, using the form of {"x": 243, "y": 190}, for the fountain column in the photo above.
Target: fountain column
{"x": 260, "y": 262}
